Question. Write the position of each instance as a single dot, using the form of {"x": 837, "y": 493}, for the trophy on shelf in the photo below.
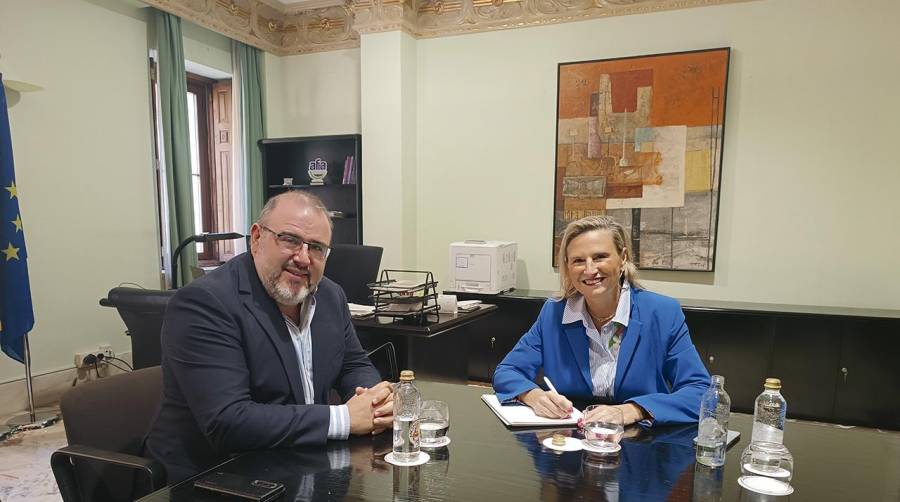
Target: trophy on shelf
{"x": 318, "y": 169}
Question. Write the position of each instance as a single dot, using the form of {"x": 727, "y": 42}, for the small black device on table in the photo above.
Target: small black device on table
{"x": 240, "y": 486}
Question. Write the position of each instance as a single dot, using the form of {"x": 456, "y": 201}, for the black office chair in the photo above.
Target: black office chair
{"x": 353, "y": 267}
{"x": 384, "y": 358}
{"x": 106, "y": 422}
{"x": 142, "y": 311}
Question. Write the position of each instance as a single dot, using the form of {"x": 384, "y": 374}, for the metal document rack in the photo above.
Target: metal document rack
{"x": 405, "y": 295}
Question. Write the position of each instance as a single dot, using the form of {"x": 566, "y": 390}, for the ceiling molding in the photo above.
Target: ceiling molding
{"x": 325, "y": 25}
{"x": 309, "y": 5}
{"x": 438, "y": 18}
{"x": 376, "y": 16}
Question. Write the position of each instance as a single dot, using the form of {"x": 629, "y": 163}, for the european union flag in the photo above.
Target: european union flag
{"x": 17, "y": 314}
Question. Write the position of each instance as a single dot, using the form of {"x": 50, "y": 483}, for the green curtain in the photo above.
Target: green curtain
{"x": 176, "y": 142}
{"x": 253, "y": 124}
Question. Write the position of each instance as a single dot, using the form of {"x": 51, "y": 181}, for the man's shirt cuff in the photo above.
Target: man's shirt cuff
{"x": 339, "y": 422}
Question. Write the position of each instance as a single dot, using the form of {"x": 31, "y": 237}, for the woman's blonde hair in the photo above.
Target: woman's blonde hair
{"x": 587, "y": 224}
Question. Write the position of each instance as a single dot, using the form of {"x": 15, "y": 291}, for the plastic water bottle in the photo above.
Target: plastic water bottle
{"x": 407, "y": 405}
{"x": 769, "y": 412}
{"x": 712, "y": 432}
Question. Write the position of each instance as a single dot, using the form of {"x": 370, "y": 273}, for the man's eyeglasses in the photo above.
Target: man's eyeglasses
{"x": 292, "y": 243}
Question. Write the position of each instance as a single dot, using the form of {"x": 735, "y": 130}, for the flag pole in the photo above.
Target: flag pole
{"x": 18, "y": 313}
{"x": 31, "y": 419}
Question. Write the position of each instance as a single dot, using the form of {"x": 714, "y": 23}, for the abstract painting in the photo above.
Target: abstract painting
{"x": 640, "y": 139}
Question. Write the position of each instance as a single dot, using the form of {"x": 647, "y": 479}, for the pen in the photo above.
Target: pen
{"x": 553, "y": 389}
{"x": 550, "y": 384}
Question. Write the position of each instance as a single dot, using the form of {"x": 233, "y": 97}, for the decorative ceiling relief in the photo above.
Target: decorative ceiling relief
{"x": 236, "y": 14}
{"x": 324, "y": 25}
{"x": 323, "y": 29}
{"x": 374, "y": 16}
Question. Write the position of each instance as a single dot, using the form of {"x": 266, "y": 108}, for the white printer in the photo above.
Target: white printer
{"x": 482, "y": 266}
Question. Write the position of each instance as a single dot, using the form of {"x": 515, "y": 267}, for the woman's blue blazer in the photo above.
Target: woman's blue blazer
{"x": 658, "y": 367}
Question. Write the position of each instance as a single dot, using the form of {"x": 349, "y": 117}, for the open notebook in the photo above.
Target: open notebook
{"x": 519, "y": 415}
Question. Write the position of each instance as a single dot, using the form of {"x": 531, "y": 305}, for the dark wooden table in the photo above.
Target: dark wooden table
{"x": 436, "y": 349}
{"x": 486, "y": 461}
{"x": 434, "y": 325}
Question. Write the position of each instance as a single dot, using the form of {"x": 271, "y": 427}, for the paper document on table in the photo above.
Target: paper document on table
{"x": 357, "y": 310}
{"x": 520, "y": 415}
{"x": 468, "y": 305}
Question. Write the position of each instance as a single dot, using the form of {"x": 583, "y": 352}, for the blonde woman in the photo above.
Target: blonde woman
{"x": 606, "y": 339}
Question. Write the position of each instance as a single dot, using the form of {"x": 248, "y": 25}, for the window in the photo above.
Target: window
{"x": 199, "y": 90}
{"x": 210, "y": 140}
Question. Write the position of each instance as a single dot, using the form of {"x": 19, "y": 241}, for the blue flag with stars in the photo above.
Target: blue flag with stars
{"x": 16, "y": 312}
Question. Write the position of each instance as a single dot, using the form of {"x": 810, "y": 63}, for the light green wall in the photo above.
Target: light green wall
{"x": 389, "y": 171}
{"x": 206, "y": 47}
{"x": 83, "y": 165}
{"x": 810, "y": 177}
{"x": 313, "y": 94}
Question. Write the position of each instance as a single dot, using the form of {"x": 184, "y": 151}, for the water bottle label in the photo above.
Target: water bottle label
{"x": 763, "y": 432}
{"x": 414, "y": 435}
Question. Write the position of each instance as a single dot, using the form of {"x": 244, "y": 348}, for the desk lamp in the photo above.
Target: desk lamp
{"x": 205, "y": 237}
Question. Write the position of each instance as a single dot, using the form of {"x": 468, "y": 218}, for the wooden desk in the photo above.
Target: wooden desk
{"x": 435, "y": 324}
{"x": 420, "y": 346}
{"x": 486, "y": 461}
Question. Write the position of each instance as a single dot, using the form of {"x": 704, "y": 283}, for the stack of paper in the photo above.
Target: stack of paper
{"x": 468, "y": 305}
{"x": 357, "y": 310}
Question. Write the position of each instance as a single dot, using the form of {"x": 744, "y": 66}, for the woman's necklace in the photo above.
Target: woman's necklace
{"x": 599, "y": 323}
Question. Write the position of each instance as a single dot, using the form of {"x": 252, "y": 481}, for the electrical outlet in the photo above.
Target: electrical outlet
{"x": 80, "y": 356}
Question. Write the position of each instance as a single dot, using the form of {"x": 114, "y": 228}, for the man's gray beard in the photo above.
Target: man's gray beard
{"x": 282, "y": 294}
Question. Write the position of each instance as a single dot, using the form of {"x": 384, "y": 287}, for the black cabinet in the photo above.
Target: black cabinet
{"x": 736, "y": 346}
{"x": 286, "y": 165}
{"x": 868, "y": 376}
{"x": 491, "y": 339}
{"x": 806, "y": 358}
{"x": 836, "y": 364}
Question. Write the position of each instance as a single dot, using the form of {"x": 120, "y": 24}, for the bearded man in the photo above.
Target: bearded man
{"x": 251, "y": 351}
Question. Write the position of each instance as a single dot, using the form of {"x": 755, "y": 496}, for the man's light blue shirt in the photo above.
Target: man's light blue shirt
{"x": 301, "y": 336}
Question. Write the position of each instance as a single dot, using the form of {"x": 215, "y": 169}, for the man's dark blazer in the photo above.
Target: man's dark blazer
{"x": 231, "y": 376}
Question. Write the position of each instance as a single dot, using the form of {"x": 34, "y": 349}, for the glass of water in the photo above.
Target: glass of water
{"x": 772, "y": 460}
{"x": 434, "y": 422}
{"x": 603, "y": 427}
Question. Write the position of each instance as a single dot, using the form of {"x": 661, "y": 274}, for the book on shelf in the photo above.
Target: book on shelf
{"x": 346, "y": 170}
{"x": 349, "y": 177}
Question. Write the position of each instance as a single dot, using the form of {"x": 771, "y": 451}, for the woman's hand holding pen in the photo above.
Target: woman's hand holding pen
{"x": 547, "y": 404}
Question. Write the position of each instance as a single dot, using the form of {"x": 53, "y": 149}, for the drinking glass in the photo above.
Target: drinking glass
{"x": 772, "y": 460}
{"x": 434, "y": 422}
{"x": 603, "y": 433}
